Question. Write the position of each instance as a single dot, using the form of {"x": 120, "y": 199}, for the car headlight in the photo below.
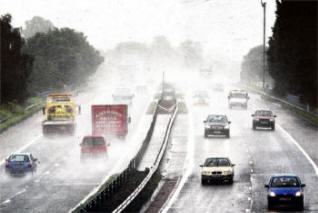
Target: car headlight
{"x": 272, "y": 194}
{"x": 207, "y": 126}
{"x": 227, "y": 172}
{"x": 226, "y": 126}
{"x": 298, "y": 194}
{"x": 205, "y": 173}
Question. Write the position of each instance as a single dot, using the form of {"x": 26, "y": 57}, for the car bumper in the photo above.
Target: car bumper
{"x": 265, "y": 125}
{"x": 217, "y": 177}
{"x": 216, "y": 131}
{"x": 285, "y": 199}
{"x": 19, "y": 171}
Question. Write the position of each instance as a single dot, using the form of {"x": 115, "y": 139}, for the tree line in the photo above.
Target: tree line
{"x": 292, "y": 52}
{"x": 44, "y": 61}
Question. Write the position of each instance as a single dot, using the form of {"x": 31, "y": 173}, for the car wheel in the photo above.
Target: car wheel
{"x": 301, "y": 205}
{"x": 203, "y": 182}
{"x": 254, "y": 126}
{"x": 205, "y": 134}
{"x": 269, "y": 205}
{"x": 273, "y": 127}
{"x": 228, "y": 134}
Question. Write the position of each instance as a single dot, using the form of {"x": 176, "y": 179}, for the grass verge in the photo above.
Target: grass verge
{"x": 182, "y": 107}
{"x": 12, "y": 113}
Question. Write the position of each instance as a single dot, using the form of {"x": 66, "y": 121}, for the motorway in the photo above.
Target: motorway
{"x": 257, "y": 155}
{"x": 61, "y": 180}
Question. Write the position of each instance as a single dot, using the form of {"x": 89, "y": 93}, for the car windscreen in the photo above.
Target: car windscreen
{"x": 263, "y": 113}
{"x": 201, "y": 94}
{"x": 214, "y": 162}
{"x": 238, "y": 95}
{"x": 285, "y": 182}
{"x": 19, "y": 158}
{"x": 94, "y": 141}
{"x": 217, "y": 119}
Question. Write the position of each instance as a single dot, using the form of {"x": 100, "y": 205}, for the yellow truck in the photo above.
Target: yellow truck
{"x": 60, "y": 112}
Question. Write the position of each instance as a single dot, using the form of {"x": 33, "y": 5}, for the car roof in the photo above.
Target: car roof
{"x": 284, "y": 175}
{"x": 93, "y": 136}
{"x": 217, "y": 115}
{"x": 218, "y": 158}
{"x": 22, "y": 153}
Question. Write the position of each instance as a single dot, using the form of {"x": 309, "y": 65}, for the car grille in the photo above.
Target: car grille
{"x": 216, "y": 173}
{"x": 217, "y": 127}
{"x": 264, "y": 121}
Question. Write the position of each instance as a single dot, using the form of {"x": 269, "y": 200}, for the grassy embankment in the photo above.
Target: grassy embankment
{"x": 12, "y": 113}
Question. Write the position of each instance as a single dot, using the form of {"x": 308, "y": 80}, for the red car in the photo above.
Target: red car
{"x": 93, "y": 146}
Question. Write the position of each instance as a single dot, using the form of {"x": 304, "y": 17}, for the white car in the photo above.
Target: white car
{"x": 238, "y": 98}
{"x": 217, "y": 169}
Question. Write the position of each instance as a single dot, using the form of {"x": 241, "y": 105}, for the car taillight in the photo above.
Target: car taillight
{"x": 30, "y": 165}
{"x": 7, "y": 165}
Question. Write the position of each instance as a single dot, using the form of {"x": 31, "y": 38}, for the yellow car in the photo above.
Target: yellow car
{"x": 217, "y": 169}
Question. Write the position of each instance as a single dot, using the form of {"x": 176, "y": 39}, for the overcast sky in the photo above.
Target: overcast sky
{"x": 224, "y": 27}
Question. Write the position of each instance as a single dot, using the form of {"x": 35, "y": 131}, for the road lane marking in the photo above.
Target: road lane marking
{"x": 300, "y": 148}
{"x": 24, "y": 147}
{"x": 9, "y": 199}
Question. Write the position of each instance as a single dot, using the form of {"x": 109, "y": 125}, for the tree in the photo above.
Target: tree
{"x": 37, "y": 25}
{"x": 192, "y": 53}
{"x": 62, "y": 57}
{"x": 292, "y": 53}
{"x": 15, "y": 66}
{"x": 252, "y": 66}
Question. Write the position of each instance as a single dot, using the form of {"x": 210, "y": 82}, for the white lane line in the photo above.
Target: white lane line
{"x": 24, "y": 147}
{"x": 188, "y": 166}
{"x": 299, "y": 147}
{"x": 9, "y": 199}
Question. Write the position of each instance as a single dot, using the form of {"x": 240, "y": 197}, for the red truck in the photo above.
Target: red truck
{"x": 110, "y": 120}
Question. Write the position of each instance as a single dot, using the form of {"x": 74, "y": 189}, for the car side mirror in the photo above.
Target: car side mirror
{"x": 204, "y": 121}
{"x": 266, "y": 186}
{"x": 275, "y": 116}
{"x": 233, "y": 164}
{"x": 229, "y": 122}
{"x": 228, "y": 97}
{"x": 303, "y": 185}
{"x": 201, "y": 165}
{"x": 252, "y": 115}
{"x": 35, "y": 159}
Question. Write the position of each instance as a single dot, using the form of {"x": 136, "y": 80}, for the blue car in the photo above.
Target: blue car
{"x": 285, "y": 189}
{"x": 20, "y": 164}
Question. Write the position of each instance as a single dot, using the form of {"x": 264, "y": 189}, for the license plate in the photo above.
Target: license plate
{"x": 18, "y": 166}
{"x": 285, "y": 198}
{"x": 217, "y": 132}
{"x": 264, "y": 122}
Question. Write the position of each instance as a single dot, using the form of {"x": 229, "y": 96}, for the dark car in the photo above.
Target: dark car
{"x": 264, "y": 119}
{"x": 285, "y": 189}
{"x": 20, "y": 164}
{"x": 217, "y": 125}
{"x": 93, "y": 146}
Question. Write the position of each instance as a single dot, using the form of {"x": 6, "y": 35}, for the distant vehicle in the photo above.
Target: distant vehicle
{"x": 217, "y": 125}
{"x": 201, "y": 97}
{"x": 285, "y": 189}
{"x": 217, "y": 169}
{"x": 20, "y": 164}
{"x": 60, "y": 111}
{"x": 93, "y": 146}
{"x": 263, "y": 118}
{"x": 123, "y": 95}
{"x": 141, "y": 88}
{"x": 110, "y": 120}
{"x": 238, "y": 98}
{"x": 218, "y": 87}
